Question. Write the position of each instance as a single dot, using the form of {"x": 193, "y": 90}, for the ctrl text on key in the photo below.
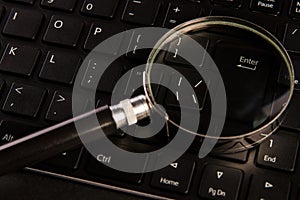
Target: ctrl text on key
{"x": 104, "y": 159}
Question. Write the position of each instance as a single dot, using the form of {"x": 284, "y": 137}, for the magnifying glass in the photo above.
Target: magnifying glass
{"x": 256, "y": 71}
{"x": 236, "y": 56}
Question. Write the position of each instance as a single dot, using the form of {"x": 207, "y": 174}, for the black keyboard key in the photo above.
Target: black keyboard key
{"x": 141, "y": 11}
{"x": 241, "y": 157}
{"x": 24, "y": 100}
{"x": 67, "y": 5}
{"x": 100, "y": 32}
{"x": 63, "y": 31}
{"x": 23, "y": 23}
{"x": 263, "y": 188}
{"x": 136, "y": 75}
{"x": 284, "y": 78}
{"x": 295, "y": 8}
{"x": 22, "y": 1}
{"x": 179, "y": 12}
{"x": 293, "y": 114}
{"x": 108, "y": 80}
{"x": 96, "y": 168}
{"x": 19, "y": 59}
{"x": 251, "y": 65}
{"x": 10, "y": 131}
{"x": 220, "y": 183}
{"x": 60, "y": 67}
{"x": 234, "y": 3}
{"x": 273, "y": 7}
{"x": 292, "y": 37}
{"x": 266, "y": 21}
{"x": 195, "y": 100}
{"x": 138, "y": 40}
{"x": 103, "y": 8}
{"x": 68, "y": 160}
{"x": 60, "y": 108}
{"x": 296, "y": 64}
{"x": 279, "y": 151}
{"x": 176, "y": 177}
{"x": 179, "y": 45}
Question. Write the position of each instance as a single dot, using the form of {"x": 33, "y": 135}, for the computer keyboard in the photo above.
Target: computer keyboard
{"x": 43, "y": 43}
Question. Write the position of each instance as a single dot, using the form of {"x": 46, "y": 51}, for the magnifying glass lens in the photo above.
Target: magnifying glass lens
{"x": 255, "y": 71}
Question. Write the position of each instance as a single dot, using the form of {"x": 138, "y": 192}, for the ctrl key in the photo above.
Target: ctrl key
{"x": 220, "y": 182}
{"x": 96, "y": 167}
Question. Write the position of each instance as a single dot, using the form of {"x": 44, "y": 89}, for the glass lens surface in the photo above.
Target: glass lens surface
{"x": 256, "y": 72}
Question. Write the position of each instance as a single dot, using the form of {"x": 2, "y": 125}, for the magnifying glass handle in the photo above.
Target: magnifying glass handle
{"x": 56, "y": 139}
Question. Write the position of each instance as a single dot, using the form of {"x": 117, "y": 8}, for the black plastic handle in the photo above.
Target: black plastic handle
{"x": 51, "y": 141}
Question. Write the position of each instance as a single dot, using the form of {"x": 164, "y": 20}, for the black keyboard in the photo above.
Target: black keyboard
{"x": 43, "y": 43}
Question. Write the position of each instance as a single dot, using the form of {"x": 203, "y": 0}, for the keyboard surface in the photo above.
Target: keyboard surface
{"x": 42, "y": 45}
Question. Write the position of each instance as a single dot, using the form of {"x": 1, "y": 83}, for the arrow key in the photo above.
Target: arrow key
{"x": 60, "y": 108}
{"x": 220, "y": 182}
{"x": 262, "y": 187}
